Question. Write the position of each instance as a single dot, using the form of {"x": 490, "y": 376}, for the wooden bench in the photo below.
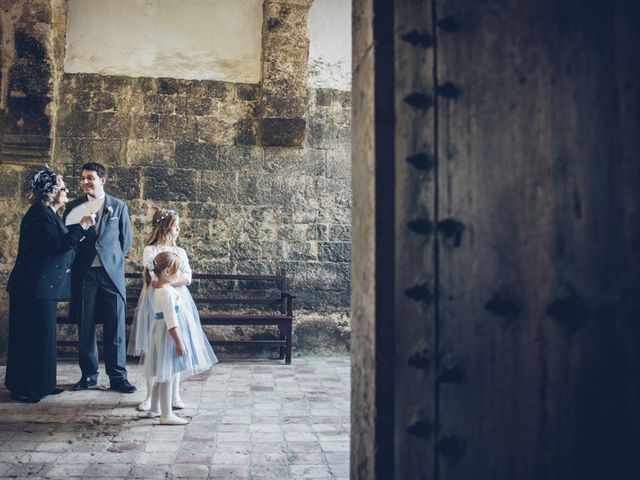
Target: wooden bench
{"x": 273, "y": 309}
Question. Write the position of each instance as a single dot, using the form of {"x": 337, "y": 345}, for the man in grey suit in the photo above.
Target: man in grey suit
{"x": 98, "y": 293}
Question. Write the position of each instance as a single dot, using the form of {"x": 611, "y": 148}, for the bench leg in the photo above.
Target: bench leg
{"x": 289, "y": 329}
{"x": 283, "y": 336}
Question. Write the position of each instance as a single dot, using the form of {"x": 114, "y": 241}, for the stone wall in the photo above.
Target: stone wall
{"x": 245, "y": 208}
{"x": 260, "y": 173}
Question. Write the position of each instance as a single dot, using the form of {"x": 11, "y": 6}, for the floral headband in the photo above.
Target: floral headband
{"x": 165, "y": 215}
{"x": 43, "y": 182}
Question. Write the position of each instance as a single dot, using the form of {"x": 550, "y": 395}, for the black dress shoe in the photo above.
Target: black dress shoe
{"x": 84, "y": 383}
{"x": 56, "y": 391}
{"x": 123, "y": 387}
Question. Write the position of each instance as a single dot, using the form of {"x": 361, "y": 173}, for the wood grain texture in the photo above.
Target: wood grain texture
{"x": 415, "y": 360}
{"x": 539, "y": 261}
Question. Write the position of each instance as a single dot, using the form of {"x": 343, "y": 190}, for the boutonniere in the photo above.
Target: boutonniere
{"x": 110, "y": 210}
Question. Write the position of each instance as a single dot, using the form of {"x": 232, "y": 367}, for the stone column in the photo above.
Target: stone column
{"x": 31, "y": 57}
{"x": 285, "y": 54}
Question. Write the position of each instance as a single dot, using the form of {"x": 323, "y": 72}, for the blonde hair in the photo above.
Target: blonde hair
{"x": 169, "y": 261}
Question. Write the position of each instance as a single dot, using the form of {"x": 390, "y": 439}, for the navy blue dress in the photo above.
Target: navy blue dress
{"x": 39, "y": 279}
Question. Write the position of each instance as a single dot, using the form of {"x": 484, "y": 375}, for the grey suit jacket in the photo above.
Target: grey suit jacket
{"x": 111, "y": 244}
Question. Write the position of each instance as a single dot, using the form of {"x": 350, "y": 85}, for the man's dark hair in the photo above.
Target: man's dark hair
{"x": 95, "y": 167}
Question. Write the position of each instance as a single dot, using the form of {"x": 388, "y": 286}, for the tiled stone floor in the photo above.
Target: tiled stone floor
{"x": 249, "y": 420}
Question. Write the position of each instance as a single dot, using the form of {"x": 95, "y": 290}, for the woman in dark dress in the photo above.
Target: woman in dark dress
{"x": 38, "y": 280}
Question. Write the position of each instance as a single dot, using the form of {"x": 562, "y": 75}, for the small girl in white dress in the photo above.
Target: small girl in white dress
{"x": 166, "y": 228}
{"x": 176, "y": 344}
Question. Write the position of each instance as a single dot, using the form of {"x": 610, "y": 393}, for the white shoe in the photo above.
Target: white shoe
{"x": 151, "y": 414}
{"x": 173, "y": 420}
{"x": 178, "y": 404}
{"x": 144, "y": 406}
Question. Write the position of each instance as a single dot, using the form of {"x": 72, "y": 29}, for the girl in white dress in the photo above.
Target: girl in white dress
{"x": 166, "y": 228}
{"x": 176, "y": 344}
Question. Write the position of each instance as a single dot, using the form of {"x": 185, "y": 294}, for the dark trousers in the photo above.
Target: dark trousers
{"x": 100, "y": 302}
{"x": 31, "y": 360}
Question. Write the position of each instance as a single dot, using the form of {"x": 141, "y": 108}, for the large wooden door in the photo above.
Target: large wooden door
{"x": 538, "y": 172}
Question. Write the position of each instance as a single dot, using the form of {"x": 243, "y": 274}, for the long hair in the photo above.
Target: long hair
{"x": 169, "y": 261}
{"x": 162, "y": 222}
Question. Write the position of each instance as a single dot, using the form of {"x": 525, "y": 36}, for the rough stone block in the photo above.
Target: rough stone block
{"x": 288, "y": 160}
{"x": 84, "y": 82}
{"x": 316, "y": 232}
{"x": 301, "y": 251}
{"x": 271, "y": 250}
{"x": 159, "y": 104}
{"x": 207, "y": 247}
{"x": 339, "y": 163}
{"x": 323, "y": 335}
{"x": 197, "y": 105}
{"x": 334, "y": 191}
{"x": 318, "y": 276}
{"x": 325, "y": 96}
{"x": 275, "y": 105}
{"x": 151, "y": 153}
{"x": 334, "y": 252}
{"x": 177, "y": 127}
{"x": 107, "y": 152}
{"x": 323, "y": 135}
{"x": 247, "y": 92}
{"x": 113, "y": 125}
{"x": 170, "y": 184}
{"x": 246, "y": 132}
{"x": 123, "y": 183}
{"x": 245, "y": 251}
{"x": 218, "y": 187}
{"x": 204, "y": 210}
{"x": 283, "y": 132}
{"x": 293, "y": 232}
{"x": 340, "y": 233}
{"x": 118, "y": 85}
{"x": 146, "y": 85}
{"x": 102, "y": 102}
{"x": 67, "y": 151}
{"x": 216, "y": 130}
{"x": 240, "y": 157}
{"x": 168, "y": 86}
{"x": 203, "y": 156}
{"x": 145, "y": 126}
{"x": 214, "y": 89}
{"x": 10, "y": 183}
{"x": 78, "y": 102}
{"x": 78, "y": 125}
{"x": 250, "y": 188}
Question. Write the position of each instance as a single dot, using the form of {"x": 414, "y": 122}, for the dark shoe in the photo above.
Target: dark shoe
{"x": 24, "y": 398}
{"x": 56, "y": 391}
{"x": 84, "y": 383}
{"x": 123, "y": 387}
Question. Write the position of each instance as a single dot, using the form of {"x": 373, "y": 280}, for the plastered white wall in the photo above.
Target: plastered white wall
{"x": 330, "y": 44}
{"x": 190, "y": 39}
